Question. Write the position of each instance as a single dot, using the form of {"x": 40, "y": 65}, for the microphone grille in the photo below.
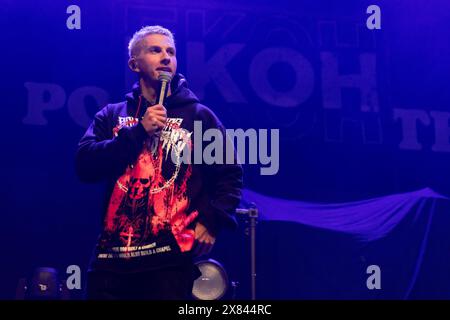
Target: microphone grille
{"x": 164, "y": 76}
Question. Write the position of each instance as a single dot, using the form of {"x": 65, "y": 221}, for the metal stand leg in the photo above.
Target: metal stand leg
{"x": 252, "y": 214}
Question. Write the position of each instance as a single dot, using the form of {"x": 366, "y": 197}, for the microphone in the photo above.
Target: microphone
{"x": 165, "y": 78}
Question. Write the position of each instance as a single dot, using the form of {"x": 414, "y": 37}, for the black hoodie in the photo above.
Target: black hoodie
{"x": 154, "y": 199}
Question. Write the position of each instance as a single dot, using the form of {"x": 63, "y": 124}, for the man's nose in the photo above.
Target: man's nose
{"x": 165, "y": 59}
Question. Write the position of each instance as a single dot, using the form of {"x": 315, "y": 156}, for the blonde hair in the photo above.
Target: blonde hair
{"x": 134, "y": 46}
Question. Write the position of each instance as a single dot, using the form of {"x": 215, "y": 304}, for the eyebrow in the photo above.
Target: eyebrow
{"x": 159, "y": 47}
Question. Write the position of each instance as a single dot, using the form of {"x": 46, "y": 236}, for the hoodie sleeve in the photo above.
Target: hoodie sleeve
{"x": 218, "y": 204}
{"x": 100, "y": 155}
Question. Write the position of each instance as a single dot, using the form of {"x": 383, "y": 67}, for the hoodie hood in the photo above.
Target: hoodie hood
{"x": 180, "y": 96}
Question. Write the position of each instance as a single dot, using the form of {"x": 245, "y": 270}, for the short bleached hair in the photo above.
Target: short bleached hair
{"x": 135, "y": 44}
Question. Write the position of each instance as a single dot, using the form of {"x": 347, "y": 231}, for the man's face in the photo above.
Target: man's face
{"x": 157, "y": 54}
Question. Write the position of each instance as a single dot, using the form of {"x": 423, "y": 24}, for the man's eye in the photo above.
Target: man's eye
{"x": 156, "y": 50}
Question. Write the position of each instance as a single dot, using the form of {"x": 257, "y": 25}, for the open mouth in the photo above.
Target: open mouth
{"x": 167, "y": 69}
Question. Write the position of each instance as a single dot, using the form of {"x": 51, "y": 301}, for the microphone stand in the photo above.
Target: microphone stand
{"x": 252, "y": 214}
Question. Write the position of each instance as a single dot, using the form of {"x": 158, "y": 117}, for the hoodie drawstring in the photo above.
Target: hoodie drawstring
{"x": 139, "y": 106}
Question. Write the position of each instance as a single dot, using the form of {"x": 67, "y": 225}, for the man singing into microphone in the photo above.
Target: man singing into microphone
{"x": 161, "y": 211}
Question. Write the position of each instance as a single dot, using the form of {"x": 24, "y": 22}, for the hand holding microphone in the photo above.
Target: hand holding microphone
{"x": 155, "y": 116}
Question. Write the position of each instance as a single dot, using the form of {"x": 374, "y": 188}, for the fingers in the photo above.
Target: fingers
{"x": 155, "y": 116}
{"x": 157, "y": 121}
{"x": 158, "y": 124}
{"x": 157, "y": 108}
{"x": 153, "y": 124}
{"x": 201, "y": 248}
{"x": 157, "y": 113}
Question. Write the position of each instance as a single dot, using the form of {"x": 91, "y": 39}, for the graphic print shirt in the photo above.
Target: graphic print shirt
{"x": 154, "y": 198}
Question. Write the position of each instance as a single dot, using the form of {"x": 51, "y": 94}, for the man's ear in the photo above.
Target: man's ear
{"x": 133, "y": 65}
